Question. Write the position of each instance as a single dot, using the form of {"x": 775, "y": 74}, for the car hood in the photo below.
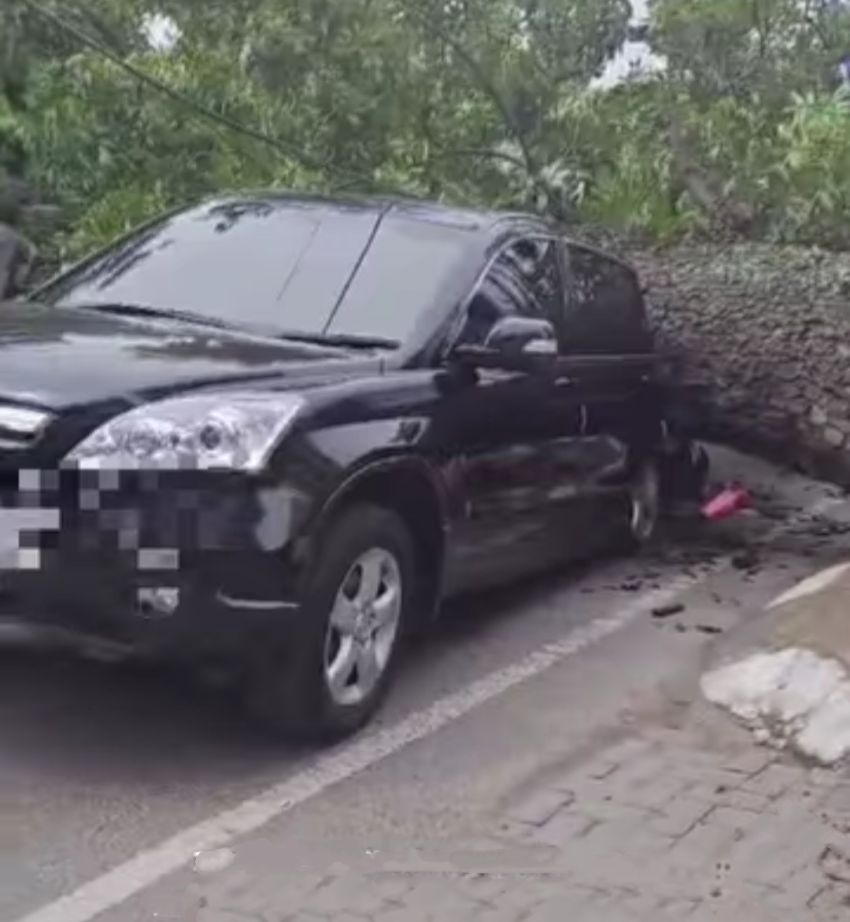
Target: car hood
{"x": 60, "y": 357}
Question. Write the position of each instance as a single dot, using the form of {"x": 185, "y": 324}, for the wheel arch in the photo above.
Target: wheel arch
{"x": 412, "y": 489}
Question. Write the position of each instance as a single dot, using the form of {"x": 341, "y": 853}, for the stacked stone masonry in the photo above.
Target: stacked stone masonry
{"x": 767, "y": 330}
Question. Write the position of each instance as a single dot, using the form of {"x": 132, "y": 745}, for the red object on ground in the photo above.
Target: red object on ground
{"x": 727, "y": 503}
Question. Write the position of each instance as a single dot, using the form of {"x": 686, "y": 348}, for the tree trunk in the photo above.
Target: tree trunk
{"x": 17, "y": 256}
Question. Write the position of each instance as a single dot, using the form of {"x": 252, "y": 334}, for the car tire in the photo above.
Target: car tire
{"x": 330, "y": 676}
{"x": 645, "y": 505}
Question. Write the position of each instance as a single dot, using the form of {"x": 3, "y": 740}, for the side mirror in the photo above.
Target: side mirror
{"x": 514, "y": 344}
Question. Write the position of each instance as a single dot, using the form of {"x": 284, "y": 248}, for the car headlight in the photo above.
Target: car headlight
{"x": 197, "y": 432}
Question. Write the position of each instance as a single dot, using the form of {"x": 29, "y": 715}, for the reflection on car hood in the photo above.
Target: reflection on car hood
{"x": 59, "y": 357}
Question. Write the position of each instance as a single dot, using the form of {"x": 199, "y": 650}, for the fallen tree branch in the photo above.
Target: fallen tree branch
{"x": 485, "y": 83}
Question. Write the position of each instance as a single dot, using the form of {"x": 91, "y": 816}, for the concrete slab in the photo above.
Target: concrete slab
{"x": 792, "y": 685}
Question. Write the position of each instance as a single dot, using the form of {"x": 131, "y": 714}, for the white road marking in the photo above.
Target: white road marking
{"x": 122, "y": 882}
{"x": 218, "y": 832}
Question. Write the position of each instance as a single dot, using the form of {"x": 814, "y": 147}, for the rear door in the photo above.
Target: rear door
{"x": 608, "y": 353}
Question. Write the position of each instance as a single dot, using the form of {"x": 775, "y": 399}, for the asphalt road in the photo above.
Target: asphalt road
{"x": 101, "y": 763}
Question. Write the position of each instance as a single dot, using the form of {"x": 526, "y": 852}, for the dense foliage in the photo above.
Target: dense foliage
{"x": 745, "y": 130}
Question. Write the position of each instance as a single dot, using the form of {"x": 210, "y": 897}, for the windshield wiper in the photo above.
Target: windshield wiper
{"x": 161, "y": 313}
{"x": 340, "y": 340}
{"x": 343, "y": 340}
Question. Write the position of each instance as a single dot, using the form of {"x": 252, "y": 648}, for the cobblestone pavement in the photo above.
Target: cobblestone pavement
{"x": 666, "y": 825}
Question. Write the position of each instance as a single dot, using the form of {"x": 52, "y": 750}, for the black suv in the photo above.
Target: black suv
{"x": 275, "y": 432}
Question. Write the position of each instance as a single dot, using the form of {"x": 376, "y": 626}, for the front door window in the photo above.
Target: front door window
{"x": 524, "y": 281}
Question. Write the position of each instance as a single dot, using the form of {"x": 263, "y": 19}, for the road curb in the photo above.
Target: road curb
{"x": 764, "y": 629}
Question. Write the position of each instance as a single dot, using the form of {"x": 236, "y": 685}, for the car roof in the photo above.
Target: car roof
{"x": 489, "y": 223}
{"x": 481, "y": 220}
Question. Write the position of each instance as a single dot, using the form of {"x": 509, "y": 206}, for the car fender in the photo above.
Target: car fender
{"x": 417, "y": 493}
{"x": 386, "y": 465}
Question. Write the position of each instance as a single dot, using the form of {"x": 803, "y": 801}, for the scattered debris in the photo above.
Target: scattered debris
{"x": 827, "y": 528}
{"x": 667, "y": 611}
{"x": 746, "y": 560}
{"x": 835, "y": 864}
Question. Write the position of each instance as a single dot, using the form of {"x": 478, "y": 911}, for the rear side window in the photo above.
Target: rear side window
{"x": 606, "y": 313}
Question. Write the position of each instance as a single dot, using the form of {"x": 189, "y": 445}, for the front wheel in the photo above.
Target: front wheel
{"x": 336, "y": 669}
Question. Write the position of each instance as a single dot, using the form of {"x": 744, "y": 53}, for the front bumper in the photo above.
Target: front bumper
{"x": 175, "y": 566}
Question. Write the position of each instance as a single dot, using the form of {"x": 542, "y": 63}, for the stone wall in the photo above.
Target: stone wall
{"x": 766, "y": 329}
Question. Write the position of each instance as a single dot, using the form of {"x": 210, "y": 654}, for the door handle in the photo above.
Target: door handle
{"x": 564, "y": 382}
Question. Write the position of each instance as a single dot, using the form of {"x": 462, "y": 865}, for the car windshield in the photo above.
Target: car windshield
{"x": 282, "y": 267}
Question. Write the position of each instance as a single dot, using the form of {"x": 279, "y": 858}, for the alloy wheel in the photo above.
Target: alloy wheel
{"x": 363, "y": 627}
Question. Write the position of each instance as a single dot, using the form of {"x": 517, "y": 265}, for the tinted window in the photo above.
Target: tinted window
{"x": 524, "y": 280}
{"x": 255, "y": 263}
{"x": 605, "y": 313}
{"x": 278, "y": 265}
{"x": 402, "y": 274}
